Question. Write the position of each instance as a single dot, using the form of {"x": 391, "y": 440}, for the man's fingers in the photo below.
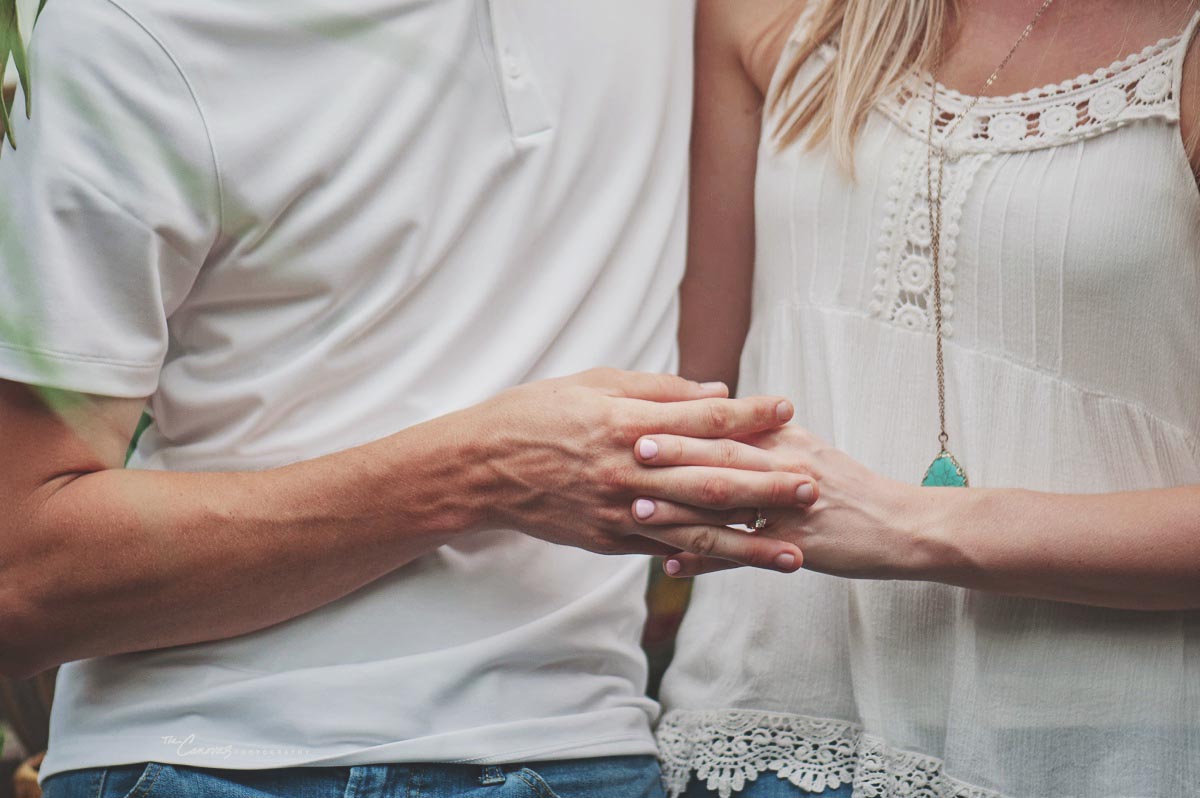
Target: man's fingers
{"x": 652, "y": 387}
{"x": 726, "y": 544}
{"x": 655, "y": 512}
{"x": 677, "y": 450}
{"x": 685, "y": 565}
{"x": 726, "y": 488}
{"x": 721, "y": 418}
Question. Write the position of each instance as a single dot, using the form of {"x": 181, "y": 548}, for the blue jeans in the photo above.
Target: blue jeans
{"x": 768, "y": 785}
{"x": 606, "y": 777}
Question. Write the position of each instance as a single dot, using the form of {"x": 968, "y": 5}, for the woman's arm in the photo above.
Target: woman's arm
{"x": 1133, "y": 550}
{"x": 737, "y": 46}
{"x": 1136, "y": 550}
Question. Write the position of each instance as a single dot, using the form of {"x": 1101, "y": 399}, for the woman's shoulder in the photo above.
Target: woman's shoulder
{"x": 757, "y": 30}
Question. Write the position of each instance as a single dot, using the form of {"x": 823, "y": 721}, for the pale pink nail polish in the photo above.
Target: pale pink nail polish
{"x": 643, "y": 508}
{"x": 709, "y": 387}
{"x": 672, "y": 567}
{"x": 783, "y": 411}
{"x": 648, "y": 449}
{"x": 785, "y": 561}
{"x": 806, "y": 493}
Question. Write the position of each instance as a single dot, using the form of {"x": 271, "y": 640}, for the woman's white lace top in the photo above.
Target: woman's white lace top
{"x": 1071, "y": 277}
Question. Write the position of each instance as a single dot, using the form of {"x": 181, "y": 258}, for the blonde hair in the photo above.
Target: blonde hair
{"x": 877, "y": 41}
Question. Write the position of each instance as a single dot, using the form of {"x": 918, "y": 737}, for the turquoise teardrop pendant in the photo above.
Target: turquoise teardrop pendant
{"x": 945, "y": 472}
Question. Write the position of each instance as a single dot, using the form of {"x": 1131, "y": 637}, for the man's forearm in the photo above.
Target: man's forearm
{"x": 129, "y": 560}
{"x": 95, "y": 560}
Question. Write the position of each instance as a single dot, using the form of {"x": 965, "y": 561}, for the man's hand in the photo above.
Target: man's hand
{"x": 862, "y": 525}
{"x": 557, "y": 463}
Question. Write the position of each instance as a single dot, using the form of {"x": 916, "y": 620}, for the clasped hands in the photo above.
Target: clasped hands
{"x": 620, "y": 462}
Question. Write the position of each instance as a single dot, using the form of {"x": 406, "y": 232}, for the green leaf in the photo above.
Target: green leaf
{"x": 21, "y": 60}
{"x": 13, "y": 44}
{"x": 145, "y": 421}
{"x": 9, "y": 32}
{"x": 5, "y": 120}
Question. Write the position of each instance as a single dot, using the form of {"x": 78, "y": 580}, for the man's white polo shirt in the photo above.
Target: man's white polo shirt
{"x": 302, "y": 225}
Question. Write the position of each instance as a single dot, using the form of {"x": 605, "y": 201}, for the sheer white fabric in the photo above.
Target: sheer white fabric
{"x": 1072, "y": 288}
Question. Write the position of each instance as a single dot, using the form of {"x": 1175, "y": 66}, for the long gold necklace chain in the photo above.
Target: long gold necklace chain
{"x": 945, "y": 470}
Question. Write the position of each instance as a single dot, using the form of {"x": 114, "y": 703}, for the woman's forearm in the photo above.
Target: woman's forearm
{"x": 1134, "y": 550}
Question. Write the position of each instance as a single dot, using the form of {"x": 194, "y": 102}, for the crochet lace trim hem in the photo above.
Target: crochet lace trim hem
{"x": 729, "y": 749}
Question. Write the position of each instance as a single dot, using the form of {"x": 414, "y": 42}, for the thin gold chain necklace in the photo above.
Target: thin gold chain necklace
{"x": 945, "y": 470}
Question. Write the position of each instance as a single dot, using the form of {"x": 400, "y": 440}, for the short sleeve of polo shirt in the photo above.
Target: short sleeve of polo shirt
{"x": 108, "y": 206}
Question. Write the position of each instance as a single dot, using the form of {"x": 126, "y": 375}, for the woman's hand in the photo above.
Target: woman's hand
{"x": 861, "y": 525}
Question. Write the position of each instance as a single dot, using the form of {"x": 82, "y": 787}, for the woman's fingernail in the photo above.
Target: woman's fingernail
{"x": 783, "y": 411}
{"x": 786, "y": 562}
{"x": 643, "y": 508}
{"x": 672, "y": 567}
{"x": 708, "y": 387}
{"x": 648, "y": 449}
{"x": 806, "y": 493}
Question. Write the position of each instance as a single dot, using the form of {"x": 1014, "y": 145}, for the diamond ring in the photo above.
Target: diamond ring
{"x": 760, "y": 521}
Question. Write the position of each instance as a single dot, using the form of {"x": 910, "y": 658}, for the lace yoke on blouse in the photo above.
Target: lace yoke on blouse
{"x": 1144, "y": 85}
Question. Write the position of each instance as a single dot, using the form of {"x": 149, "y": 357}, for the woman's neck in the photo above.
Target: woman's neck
{"x": 1072, "y": 37}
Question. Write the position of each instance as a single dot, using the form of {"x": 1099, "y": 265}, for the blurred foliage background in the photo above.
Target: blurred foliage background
{"x": 667, "y": 599}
